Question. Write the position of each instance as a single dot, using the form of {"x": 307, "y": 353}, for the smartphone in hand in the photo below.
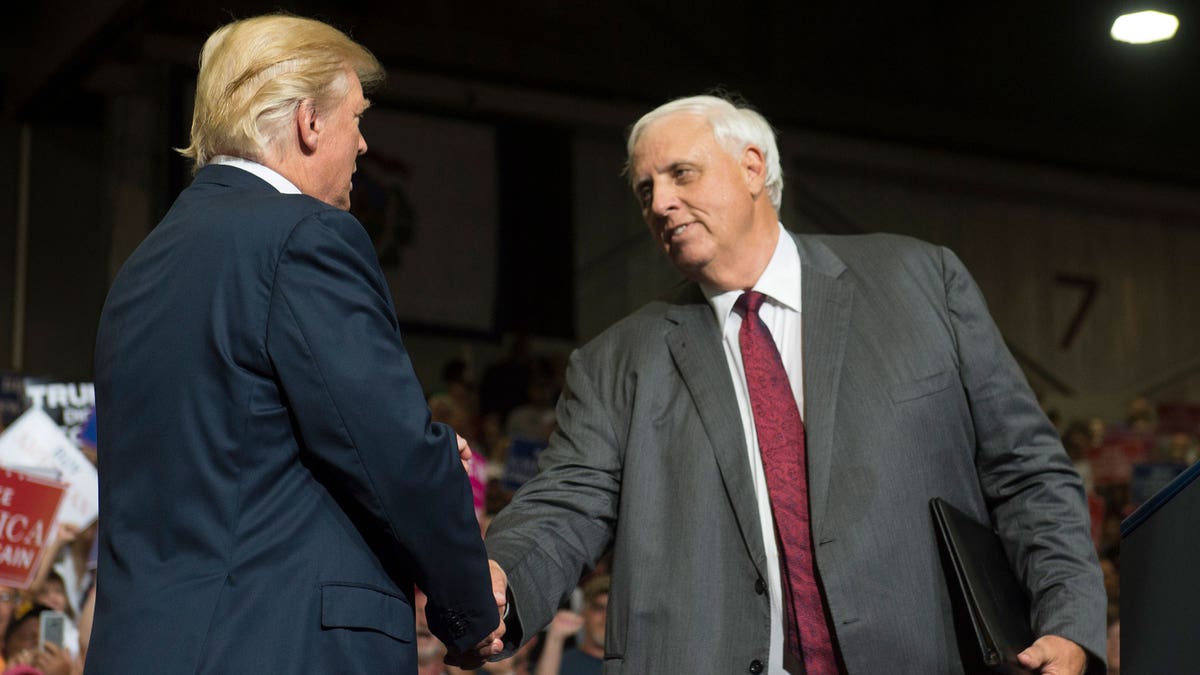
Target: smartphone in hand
{"x": 51, "y": 626}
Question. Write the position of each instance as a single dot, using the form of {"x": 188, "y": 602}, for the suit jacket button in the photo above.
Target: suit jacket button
{"x": 756, "y": 666}
{"x": 760, "y": 586}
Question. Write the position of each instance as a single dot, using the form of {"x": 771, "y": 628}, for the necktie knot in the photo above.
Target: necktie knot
{"x": 750, "y": 301}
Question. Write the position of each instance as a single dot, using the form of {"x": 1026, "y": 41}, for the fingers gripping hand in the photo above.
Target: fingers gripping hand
{"x": 491, "y": 645}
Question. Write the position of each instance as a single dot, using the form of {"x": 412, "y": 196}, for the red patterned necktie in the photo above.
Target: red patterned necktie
{"x": 781, "y": 442}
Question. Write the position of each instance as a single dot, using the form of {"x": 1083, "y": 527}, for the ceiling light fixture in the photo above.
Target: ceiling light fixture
{"x": 1142, "y": 28}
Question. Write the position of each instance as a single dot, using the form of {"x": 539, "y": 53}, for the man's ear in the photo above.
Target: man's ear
{"x": 308, "y": 125}
{"x": 754, "y": 169}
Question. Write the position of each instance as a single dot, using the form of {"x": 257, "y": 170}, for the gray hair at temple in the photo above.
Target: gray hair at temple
{"x": 735, "y": 126}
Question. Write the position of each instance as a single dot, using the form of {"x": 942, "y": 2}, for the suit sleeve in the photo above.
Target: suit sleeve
{"x": 363, "y": 422}
{"x": 1035, "y": 496}
{"x": 561, "y": 521}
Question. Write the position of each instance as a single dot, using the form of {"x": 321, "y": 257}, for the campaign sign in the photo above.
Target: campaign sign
{"x": 67, "y": 403}
{"x": 522, "y": 462}
{"x": 34, "y": 442}
{"x": 1113, "y": 462}
{"x": 27, "y": 507}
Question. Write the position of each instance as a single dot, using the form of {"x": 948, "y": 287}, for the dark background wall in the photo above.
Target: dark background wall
{"x": 1018, "y": 129}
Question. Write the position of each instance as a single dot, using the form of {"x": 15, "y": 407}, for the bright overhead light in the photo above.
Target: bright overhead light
{"x": 1144, "y": 27}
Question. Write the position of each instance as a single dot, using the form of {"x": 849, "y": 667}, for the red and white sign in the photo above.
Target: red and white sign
{"x": 27, "y": 508}
{"x": 1112, "y": 462}
{"x": 34, "y": 444}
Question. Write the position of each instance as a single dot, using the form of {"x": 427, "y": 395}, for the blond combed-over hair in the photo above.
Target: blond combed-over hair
{"x": 255, "y": 72}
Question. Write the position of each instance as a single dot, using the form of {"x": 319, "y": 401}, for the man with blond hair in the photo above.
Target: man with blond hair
{"x": 272, "y": 486}
{"x": 761, "y": 449}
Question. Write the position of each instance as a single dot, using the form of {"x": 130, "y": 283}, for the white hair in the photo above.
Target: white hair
{"x": 735, "y": 127}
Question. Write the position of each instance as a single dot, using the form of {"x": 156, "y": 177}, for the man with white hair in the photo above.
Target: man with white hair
{"x": 761, "y": 449}
{"x": 271, "y": 484}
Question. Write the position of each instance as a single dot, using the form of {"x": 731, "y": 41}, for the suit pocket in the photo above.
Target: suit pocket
{"x": 366, "y": 608}
{"x": 924, "y": 386}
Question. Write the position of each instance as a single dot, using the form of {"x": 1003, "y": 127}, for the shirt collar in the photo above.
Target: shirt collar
{"x": 780, "y": 281}
{"x": 273, "y": 177}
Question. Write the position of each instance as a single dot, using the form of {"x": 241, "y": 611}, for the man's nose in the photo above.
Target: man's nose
{"x": 665, "y": 200}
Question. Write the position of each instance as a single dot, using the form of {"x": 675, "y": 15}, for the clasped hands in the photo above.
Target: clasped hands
{"x": 492, "y": 645}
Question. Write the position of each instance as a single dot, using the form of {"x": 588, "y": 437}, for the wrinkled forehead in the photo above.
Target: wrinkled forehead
{"x": 669, "y": 140}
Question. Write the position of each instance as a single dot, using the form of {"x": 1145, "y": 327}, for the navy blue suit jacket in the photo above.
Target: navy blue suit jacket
{"x": 271, "y": 485}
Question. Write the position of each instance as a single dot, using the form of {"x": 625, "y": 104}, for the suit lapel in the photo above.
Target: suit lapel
{"x": 825, "y": 305}
{"x": 700, "y": 358}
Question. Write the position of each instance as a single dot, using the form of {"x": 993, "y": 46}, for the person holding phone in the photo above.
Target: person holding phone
{"x": 33, "y": 643}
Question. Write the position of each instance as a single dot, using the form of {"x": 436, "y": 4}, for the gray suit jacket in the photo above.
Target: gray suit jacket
{"x": 909, "y": 392}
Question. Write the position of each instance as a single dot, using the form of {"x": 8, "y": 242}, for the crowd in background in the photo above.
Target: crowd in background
{"x": 65, "y": 582}
{"x": 1123, "y": 464}
{"x": 508, "y": 416}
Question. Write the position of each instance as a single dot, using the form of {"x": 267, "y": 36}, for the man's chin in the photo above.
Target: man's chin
{"x": 685, "y": 261}
{"x": 693, "y": 270}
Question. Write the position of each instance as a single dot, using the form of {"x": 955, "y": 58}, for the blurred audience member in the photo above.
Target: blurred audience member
{"x": 1077, "y": 439}
{"x": 71, "y": 556}
{"x": 9, "y": 597}
{"x": 562, "y": 629}
{"x": 586, "y": 657}
{"x": 21, "y": 653}
{"x": 1096, "y": 431}
{"x": 85, "y": 623}
{"x": 460, "y": 386}
{"x": 53, "y": 594}
{"x": 1181, "y": 448}
{"x": 430, "y": 650}
{"x": 447, "y": 410}
{"x": 1140, "y": 417}
{"x": 1112, "y": 587}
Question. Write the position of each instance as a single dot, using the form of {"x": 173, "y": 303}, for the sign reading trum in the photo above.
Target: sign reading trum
{"x": 27, "y": 508}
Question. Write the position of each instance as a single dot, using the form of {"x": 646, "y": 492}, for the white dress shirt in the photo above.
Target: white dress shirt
{"x": 272, "y": 176}
{"x": 780, "y": 282}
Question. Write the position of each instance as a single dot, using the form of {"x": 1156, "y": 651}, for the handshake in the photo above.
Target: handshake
{"x": 491, "y": 645}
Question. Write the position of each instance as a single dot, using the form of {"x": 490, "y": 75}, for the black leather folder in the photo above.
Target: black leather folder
{"x": 985, "y": 590}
